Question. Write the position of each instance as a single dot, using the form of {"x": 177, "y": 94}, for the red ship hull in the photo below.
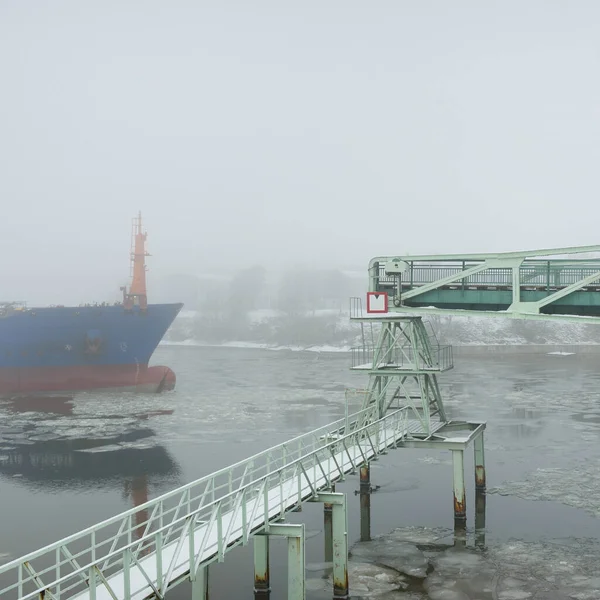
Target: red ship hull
{"x": 32, "y": 380}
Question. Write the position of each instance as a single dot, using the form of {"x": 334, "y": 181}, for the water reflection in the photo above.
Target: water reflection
{"x": 45, "y": 447}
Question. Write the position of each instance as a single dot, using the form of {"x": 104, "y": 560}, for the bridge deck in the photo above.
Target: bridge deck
{"x": 516, "y": 282}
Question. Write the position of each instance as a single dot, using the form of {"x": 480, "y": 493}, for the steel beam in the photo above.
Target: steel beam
{"x": 460, "y": 511}
{"x": 566, "y": 291}
{"x": 445, "y": 280}
{"x": 459, "y": 312}
{"x": 498, "y": 255}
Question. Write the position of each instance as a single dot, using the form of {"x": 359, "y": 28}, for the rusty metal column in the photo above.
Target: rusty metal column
{"x": 460, "y": 512}
{"x": 479, "y": 491}
{"x": 340, "y": 550}
{"x": 200, "y": 584}
{"x": 365, "y": 503}
{"x": 262, "y": 583}
{"x": 340, "y": 542}
{"x": 479, "y": 463}
{"x": 480, "y": 519}
{"x": 460, "y": 533}
{"x": 328, "y": 528}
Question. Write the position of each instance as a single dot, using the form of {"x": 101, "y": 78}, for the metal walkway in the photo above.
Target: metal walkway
{"x": 531, "y": 285}
{"x": 197, "y": 524}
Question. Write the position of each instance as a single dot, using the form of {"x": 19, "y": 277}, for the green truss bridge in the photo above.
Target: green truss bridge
{"x": 540, "y": 284}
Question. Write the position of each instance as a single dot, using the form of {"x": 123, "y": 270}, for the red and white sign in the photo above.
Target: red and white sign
{"x": 377, "y": 302}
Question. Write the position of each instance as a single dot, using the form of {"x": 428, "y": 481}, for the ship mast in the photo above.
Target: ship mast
{"x": 137, "y": 292}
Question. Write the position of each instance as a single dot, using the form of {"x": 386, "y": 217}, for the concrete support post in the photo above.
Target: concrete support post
{"x": 296, "y": 583}
{"x": 328, "y": 528}
{"x": 479, "y": 462}
{"x": 460, "y": 512}
{"x": 340, "y": 551}
{"x": 340, "y": 542}
{"x": 365, "y": 503}
{"x": 460, "y": 533}
{"x": 296, "y": 565}
{"x": 200, "y": 584}
{"x": 480, "y": 519}
{"x": 262, "y": 584}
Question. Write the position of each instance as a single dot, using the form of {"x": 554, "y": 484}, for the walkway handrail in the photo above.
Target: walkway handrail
{"x": 87, "y": 559}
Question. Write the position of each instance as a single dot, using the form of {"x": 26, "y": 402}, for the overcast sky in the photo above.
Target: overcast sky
{"x": 277, "y": 132}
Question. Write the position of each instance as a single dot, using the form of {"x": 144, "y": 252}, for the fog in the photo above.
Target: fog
{"x": 289, "y": 135}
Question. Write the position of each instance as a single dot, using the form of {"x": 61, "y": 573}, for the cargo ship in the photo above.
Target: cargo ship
{"x": 105, "y": 346}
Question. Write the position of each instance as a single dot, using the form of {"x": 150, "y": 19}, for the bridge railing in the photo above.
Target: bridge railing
{"x": 230, "y": 504}
{"x": 441, "y": 358}
{"x": 535, "y": 273}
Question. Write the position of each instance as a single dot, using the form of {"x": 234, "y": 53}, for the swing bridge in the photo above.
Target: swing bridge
{"x": 146, "y": 551}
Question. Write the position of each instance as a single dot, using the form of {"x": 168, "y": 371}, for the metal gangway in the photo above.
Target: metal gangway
{"x": 537, "y": 284}
{"x": 130, "y": 557}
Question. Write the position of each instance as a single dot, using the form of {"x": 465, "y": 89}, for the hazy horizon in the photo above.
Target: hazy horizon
{"x": 315, "y": 134}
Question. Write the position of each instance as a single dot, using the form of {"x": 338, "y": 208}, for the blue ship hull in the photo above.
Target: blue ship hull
{"x": 80, "y": 348}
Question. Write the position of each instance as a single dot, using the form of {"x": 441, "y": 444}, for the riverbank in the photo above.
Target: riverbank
{"x": 457, "y": 349}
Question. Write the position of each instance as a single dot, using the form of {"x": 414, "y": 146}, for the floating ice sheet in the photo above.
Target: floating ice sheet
{"x": 428, "y": 566}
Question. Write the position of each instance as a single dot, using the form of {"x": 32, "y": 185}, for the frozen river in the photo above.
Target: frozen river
{"x": 542, "y": 456}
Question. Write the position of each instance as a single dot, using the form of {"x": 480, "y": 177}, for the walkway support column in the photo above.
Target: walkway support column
{"x": 295, "y": 536}
{"x": 328, "y": 528}
{"x": 480, "y": 519}
{"x": 262, "y": 584}
{"x": 365, "y": 502}
{"x": 460, "y": 511}
{"x": 200, "y": 584}
{"x": 479, "y": 463}
{"x": 340, "y": 542}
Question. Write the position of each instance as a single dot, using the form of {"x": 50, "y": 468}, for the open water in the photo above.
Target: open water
{"x": 542, "y": 454}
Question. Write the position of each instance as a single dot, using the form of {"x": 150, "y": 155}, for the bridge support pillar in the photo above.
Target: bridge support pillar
{"x": 480, "y": 519}
{"x": 479, "y": 463}
{"x": 339, "y": 542}
{"x": 328, "y": 528}
{"x": 296, "y": 564}
{"x": 365, "y": 502}
{"x": 460, "y": 512}
{"x": 200, "y": 584}
{"x": 262, "y": 583}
